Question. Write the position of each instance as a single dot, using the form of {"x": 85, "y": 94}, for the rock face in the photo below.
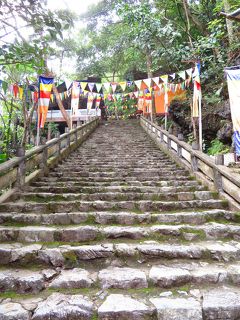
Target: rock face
{"x": 118, "y": 231}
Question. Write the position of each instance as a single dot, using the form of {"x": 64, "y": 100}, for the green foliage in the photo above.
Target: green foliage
{"x": 3, "y": 157}
{"x": 123, "y": 108}
{"x": 217, "y": 147}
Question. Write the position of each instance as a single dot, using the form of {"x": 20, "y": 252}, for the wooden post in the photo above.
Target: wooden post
{"x": 49, "y": 132}
{"x": 68, "y": 137}
{"x": 180, "y": 137}
{"x": 20, "y": 182}
{"x": 194, "y": 163}
{"x": 61, "y": 107}
{"x": 43, "y": 163}
{"x": 217, "y": 180}
{"x": 219, "y": 159}
{"x": 57, "y": 135}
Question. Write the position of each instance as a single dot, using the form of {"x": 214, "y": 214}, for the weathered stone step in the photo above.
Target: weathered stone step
{"x": 119, "y": 164}
{"x": 74, "y": 255}
{"x": 123, "y": 189}
{"x": 160, "y": 183}
{"x": 86, "y": 233}
{"x": 155, "y": 180}
{"x": 122, "y": 218}
{"x": 160, "y": 275}
{"x": 119, "y": 174}
{"x": 38, "y": 196}
{"x": 116, "y": 163}
{"x": 84, "y": 206}
{"x": 206, "y": 304}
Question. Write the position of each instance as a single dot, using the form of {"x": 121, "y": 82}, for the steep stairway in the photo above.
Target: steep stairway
{"x": 119, "y": 231}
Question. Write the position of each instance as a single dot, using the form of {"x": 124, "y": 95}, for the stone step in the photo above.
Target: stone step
{"x": 119, "y": 174}
{"x": 122, "y": 218}
{"x": 86, "y": 233}
{"x": 117, "y": 165}
{"x": 38, "y": 196}
{"x": 85, "y": 206}
{"x": 17, "y": 254}
{"x": 123, "y": 179}
{"x": 119, "y": 189}
{"x": 206, "y": 304}
{"x": 160, "y": 183}
{"x": 164, "y": 276}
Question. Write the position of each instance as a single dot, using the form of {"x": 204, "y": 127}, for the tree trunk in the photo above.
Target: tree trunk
{"x": 229, "y": 23}
{"x": 61, "y": 107}
{"x": 150, "y": 75}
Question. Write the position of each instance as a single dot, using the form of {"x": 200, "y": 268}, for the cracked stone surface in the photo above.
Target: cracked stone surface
{"x": 64, "y": 307}
{"x": 13, "y": 311}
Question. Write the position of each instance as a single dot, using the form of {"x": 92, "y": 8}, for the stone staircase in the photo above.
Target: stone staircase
{"x": 119, "y": 231}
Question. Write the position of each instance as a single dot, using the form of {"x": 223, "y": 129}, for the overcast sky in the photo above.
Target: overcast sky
{"x": 77, "y": 6}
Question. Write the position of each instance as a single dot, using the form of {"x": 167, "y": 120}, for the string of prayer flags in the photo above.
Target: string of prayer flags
{"x": 182, "y": 74}
{"x": 83, "y": 85}
{"x": 45, "y": 88}
{"x": 91, "y": 86}
{"x": 99, "y": 87}
{"x": 156, "y": 80}
{"x": 148, "y": 82}
{"x": 164, "y": 78}
{"x": 107, "y": 86}
{"x": 138, "y": 83}
{"x": 123, "y": 85}
{"x": 189, "y": 73}
{"x": 114, "y": 87}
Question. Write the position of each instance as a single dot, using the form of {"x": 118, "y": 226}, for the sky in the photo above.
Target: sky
{"x": 78, "y": 7}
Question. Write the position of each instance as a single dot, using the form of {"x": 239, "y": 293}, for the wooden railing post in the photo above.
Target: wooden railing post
{"x": 43, "y": 163}
{"x": 57, "y": 135}
{"x": 21, "y": 171}
{"x": 168, "y": 142}
{"x": 75, "y": 133}
{"x": 161, "y": 136}
{"x": 68, "y": 137}
{"x": 219, "y": 160}
{"x": 194, "y": 163}
{"x": 217, "y": 179}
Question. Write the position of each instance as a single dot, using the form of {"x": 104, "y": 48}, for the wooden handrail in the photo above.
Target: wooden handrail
{"x": 219, "y": 171}
{"x": 36, "y": 158}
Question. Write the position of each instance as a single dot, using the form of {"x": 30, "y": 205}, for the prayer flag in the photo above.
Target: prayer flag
{"x": 148, "y": 82}
{"x": 98, "y": 86}
{"x": 107, "y": 86}
{"x": 75, "y": 97}
{"x": 196, "y": 91}
{"x": 233, "y": 80}
{"x": 45, "y": 88}
{"x": 123, "y": 85}
{"x": 83, "y": 85}
{"x": 138, "y": 84}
